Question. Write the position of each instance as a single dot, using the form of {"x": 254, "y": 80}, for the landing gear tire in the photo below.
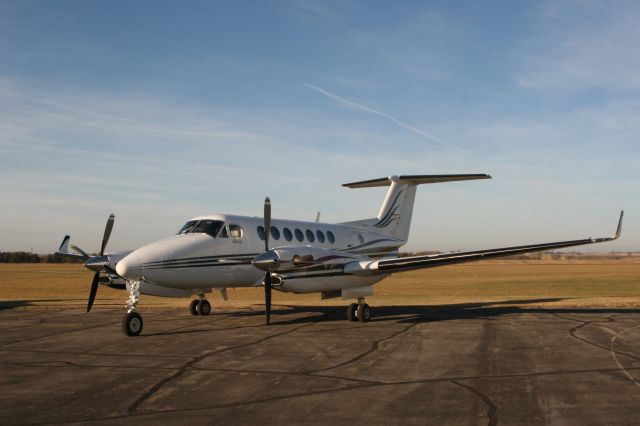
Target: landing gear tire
{"x": 132, "y": 324}
{"x": 203, "y": 307}
{"x": 351, "y": 312}
{"x": 364, "y": 313}
{"x": 193, "y": 307}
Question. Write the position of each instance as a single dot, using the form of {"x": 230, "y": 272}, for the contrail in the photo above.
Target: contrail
{"x": 381, "y": 114}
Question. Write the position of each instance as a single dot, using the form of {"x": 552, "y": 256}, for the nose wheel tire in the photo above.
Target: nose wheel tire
{"x": 193, "y": 307}
{"x": 203, "y": 307}
{"x": 364, "y": 313}
{"x": 132, "y": 324}
{"x": 351, "y": 312}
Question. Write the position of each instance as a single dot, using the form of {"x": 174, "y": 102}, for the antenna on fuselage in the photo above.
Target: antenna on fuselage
{"x": 318, "y": 217}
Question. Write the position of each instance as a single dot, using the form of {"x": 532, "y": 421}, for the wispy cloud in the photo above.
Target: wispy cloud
{"x": 384, "y": 115}
{"x": 79, "y": 155}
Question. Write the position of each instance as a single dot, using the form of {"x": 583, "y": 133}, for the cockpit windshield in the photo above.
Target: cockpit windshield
{"x": 205, "y": 226}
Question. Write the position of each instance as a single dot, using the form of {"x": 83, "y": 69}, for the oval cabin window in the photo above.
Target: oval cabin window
{"x": 310, "y": 236}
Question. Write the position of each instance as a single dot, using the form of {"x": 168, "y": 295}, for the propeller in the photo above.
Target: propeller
{"x": 95, "y": 263}
{"x": 267, "y": 274}
{"x": 269, "y": 261}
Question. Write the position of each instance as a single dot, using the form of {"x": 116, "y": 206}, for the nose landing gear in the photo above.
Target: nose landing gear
{"x": 132, "y": 324}
{"x": 359, "y": 311}
{"x": 132, "y": 321}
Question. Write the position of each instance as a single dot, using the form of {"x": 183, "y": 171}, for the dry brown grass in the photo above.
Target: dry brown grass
{"x": 551, "y": 284}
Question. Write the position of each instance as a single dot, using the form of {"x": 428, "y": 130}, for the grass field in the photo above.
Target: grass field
{"x": 551, "y": 284}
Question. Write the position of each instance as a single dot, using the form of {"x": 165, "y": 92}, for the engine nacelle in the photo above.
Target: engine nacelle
{"x": 113, "y": 281}
{"x": 291, "y": 258}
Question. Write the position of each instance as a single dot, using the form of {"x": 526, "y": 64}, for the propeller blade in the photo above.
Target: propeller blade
{"x": 107, "y": 233}
{"x": 267, "y": 275}
{"x": 267, "y": 222}
{"x": 267, "y": 296}
{"x": 94, "y": 290}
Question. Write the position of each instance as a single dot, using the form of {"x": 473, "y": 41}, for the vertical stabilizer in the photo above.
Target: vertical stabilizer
{"x": 394, "y": 218}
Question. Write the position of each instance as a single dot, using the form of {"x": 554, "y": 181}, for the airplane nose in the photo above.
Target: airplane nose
{"x": 122, "y": 268}
{"x": 125, "y": 268}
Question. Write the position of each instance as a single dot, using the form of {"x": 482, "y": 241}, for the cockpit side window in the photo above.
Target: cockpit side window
{"x": 205, "y": 226}
{"x": 235, "y": 231}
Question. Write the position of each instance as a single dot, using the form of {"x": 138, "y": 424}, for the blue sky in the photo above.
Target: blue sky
{"x": 162, "y": 111}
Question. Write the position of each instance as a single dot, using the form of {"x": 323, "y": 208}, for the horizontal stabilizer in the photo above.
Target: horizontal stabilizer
{"x": 415, "y": 180}
{"x": 70, "y": 250}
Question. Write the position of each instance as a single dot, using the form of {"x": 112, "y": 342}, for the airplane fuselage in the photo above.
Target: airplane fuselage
{"x": 196, "y": 260}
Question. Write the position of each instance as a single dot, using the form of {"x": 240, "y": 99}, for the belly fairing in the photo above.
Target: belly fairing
{"x": 317, "y": 284}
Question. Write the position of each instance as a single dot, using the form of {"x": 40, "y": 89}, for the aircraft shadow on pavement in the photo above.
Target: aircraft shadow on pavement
{"x": 428, "y": 313}
{"x": 13, "y": 304}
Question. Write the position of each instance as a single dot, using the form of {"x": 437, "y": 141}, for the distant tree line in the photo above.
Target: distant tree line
{"x": 27, "y": 257}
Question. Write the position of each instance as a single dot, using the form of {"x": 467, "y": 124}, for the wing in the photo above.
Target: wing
{"x": 398, "y": 264}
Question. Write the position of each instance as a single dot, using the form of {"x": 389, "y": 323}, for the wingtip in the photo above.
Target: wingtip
{"x": 619, "y": 229}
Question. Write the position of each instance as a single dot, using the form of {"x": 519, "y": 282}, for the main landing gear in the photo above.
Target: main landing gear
{"x": 359, "y": 311}
{"x": 200, "y": 306}
{"x": 132, "y": 321}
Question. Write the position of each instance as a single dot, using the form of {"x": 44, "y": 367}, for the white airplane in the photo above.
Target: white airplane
{"x": 219, "y": 251}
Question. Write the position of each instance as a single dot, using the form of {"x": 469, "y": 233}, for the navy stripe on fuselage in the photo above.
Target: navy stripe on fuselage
{"x": 200, "y": 265}
{"x": 240, "y": 256}
{"x": 350, "y": 249}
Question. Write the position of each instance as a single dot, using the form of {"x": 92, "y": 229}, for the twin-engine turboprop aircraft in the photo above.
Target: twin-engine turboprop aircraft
{"x": 336, "y": 260}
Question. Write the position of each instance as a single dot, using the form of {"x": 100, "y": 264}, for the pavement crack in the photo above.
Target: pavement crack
{"x": 492, "y": 408}
{"x": 615, "y": 358}
{"x": 188, "y": 366}
{"x": 609, "y": 319}
{"x": 374, "y": 347}
{"x": 573, "y": 333}
{"x": 491, "y": 412}
{"x": 290, "y": 373}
